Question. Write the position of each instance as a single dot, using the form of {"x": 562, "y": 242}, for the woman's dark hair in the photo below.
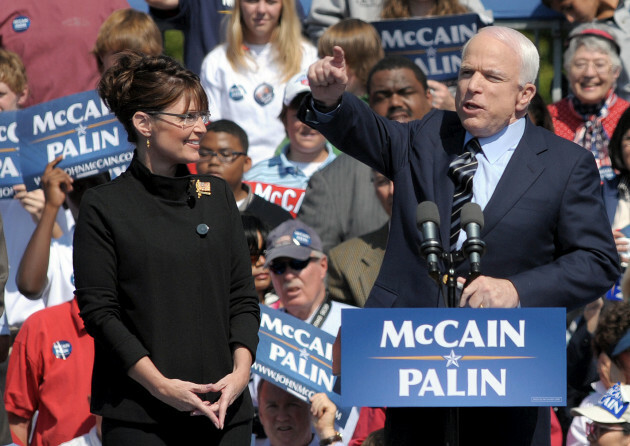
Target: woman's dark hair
{"x": 614, "y": 322}
{"x": 138, "y": 82}
{"x": 615, "y": 146}
{"x": 538, "y": 112}
{"x": 252, "y": 225}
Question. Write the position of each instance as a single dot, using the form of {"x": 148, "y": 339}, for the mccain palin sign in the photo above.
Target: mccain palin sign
{"x": 433, "y": 43}
{"x": 297, "y": 357}
{"x": 454, "y": 357}
{"x": 10, "y": 174}
{"x": 78, "y": 127}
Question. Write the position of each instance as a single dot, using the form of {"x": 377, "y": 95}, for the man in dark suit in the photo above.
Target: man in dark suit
{"x": 548, "y": 239}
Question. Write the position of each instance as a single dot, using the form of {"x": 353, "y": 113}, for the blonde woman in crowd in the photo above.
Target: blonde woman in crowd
{"x": 245, "y": 77}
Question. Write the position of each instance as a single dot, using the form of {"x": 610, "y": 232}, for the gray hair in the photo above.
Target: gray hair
{"x": 524, "y": 48}
{"x": 592, "y": 43}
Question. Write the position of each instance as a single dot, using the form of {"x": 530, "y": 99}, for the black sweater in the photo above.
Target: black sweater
{"x": 149, "y": 284}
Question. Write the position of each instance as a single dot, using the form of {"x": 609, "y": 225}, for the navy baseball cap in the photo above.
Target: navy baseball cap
{"x": 293, "y": 239}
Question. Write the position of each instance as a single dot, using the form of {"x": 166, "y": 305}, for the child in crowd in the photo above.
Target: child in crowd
{"x": 307, "y": 150}
{"x": 361, "y": 45}
{"x": 223, "y": 153}
{"x": 126, "y": 29}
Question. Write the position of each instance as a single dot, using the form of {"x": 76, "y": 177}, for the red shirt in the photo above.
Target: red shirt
{"x": 50, "y": 370}
{"x": 54, "y": 39}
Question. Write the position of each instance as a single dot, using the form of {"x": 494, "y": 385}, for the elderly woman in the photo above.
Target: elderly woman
{"x": 589, "y": 114}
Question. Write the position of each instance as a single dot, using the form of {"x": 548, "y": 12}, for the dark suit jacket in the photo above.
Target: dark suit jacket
{"x": 545, "y": 228}
{"x": 354, "y": 265}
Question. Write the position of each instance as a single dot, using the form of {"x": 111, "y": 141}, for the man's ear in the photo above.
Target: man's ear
{"x": 142, "y": 123}
{"x": 524, "y": 98}
{"x": 324, "y": 263}
{"x": 247, "y": 164}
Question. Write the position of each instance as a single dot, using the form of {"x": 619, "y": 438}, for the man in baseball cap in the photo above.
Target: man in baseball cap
{"x": 298, "y": 270}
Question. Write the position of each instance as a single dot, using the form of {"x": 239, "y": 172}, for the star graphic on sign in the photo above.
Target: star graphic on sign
{"x": 304, "y": 353}
{"x": 431, "y": 52}
{"x": 452, "y": 359}
{"x": 81, "y": 130}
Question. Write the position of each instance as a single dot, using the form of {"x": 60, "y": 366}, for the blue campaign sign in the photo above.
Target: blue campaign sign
{"x": 296, "y": 357}
{"x": 9, "y": 154}
{"x": 454, "y": 357}
{"x": 432, "y": 43}
{"x": 79, "y": 127}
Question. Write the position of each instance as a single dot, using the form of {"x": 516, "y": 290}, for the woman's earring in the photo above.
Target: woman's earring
{"x": 148, "y": 144}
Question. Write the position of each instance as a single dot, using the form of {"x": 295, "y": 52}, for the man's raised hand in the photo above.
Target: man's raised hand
{"x": 328, "y": 78}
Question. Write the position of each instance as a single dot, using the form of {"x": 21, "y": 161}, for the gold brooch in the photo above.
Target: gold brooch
{"x": 203, "y": 188}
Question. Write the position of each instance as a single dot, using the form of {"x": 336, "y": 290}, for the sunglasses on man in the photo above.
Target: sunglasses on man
{"x": 280, "y": 266}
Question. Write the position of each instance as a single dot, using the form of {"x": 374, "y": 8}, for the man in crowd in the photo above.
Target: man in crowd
{"x": 339, "y": 202}
{"x": 546, "y": 231}
{"x": 298, "y": 272}
{"x": 287, "y": 419}
{"x": 355, "y": 263}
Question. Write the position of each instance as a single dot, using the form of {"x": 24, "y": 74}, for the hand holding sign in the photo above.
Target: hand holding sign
{"x": 56, "y": 184}
{"x": 323, "y": 411}
{"x": 328, "y": 78}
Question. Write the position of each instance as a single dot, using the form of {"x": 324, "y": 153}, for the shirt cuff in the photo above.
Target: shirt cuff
{"x": 320, "y": 117}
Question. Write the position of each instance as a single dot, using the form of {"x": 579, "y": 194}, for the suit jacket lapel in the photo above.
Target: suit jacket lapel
{"x": 522, "y": 170}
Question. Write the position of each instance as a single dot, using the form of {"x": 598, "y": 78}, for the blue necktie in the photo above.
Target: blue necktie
{"x": 461, "y": 170}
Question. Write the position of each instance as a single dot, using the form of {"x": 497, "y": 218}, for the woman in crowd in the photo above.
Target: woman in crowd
{"x": 162, "y": 274}
{"x": 589, "y": 114}
{"x": 616, "y": 190}
{"x": 256, "y": 232}
{"x": 361, "y": 45}
{"x": 246, "y": 76}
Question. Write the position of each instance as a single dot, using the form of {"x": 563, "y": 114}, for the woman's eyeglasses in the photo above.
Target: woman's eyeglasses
{"x": 186, "y": 119}
{"x": 225, "y": 156}
{"x": 600, "y": 66}
{"x": 595, "y": 430}
{"x": 280, "y": 266}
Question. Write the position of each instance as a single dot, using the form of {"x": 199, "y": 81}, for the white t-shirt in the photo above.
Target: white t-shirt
{"x": 18, "y": 228}
{"x": 252, "y": 98}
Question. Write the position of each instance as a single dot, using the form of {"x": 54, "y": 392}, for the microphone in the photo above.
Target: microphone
{"x": 428, "y": 222}
{"x": 473, "y": 247}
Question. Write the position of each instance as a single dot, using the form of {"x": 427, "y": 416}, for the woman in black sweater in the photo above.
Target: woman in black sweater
{"x": 163, "y": 274}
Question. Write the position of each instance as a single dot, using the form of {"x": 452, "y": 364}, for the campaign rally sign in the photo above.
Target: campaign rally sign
{"x": 453, "y": 357}
{"x": 79, "y": 127}
{"x": 290, "y": 198}
{"x": 432, "y": 43}
{"x": 296, "y": 357}
{"x": 9, "y": 154}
